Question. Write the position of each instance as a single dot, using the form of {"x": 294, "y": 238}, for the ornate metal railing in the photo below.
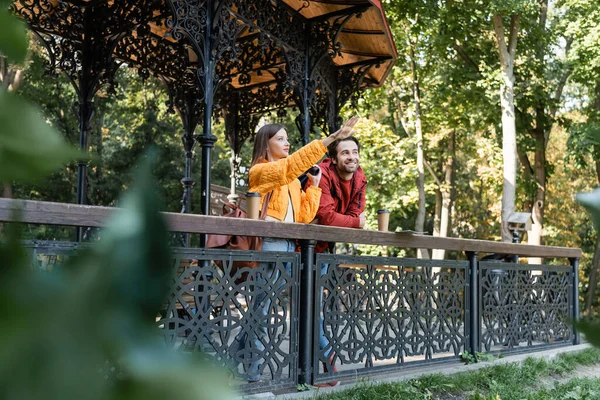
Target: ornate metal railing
{"x": 243, "y": 321}
{"x": 379, "y": 313}
{"x": 383, "y": 313}
{"x": 524, "y": 306}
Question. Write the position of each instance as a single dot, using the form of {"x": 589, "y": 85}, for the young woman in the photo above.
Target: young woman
{"x": 275, "y": 170}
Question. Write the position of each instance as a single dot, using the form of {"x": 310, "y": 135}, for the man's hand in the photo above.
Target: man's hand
{"x": 362, "y": 219}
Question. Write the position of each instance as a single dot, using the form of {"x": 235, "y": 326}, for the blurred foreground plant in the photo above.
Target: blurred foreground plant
{"x": 591, "y": 201}
{"x": 87, "y": 330}
{"x": 61, "y": 329}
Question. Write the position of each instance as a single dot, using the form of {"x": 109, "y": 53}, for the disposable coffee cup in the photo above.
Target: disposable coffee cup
{"x": 252, "y": 205}
{"x": 383, "y": 220}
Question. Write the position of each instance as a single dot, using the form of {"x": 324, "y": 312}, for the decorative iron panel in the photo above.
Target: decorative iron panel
{"x": 240, "y": 318}
{"x": 524, "y": 305}
{"x": 383, "y": 313}
{"x": 211, "y": 309}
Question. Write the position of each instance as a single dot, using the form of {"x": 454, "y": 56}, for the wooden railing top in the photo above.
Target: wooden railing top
{"x": 48, "y": 213}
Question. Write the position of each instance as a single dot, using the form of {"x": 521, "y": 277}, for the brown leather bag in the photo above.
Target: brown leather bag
{"x": 238, "y": 242}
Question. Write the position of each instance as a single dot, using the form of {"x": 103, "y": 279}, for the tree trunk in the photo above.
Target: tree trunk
{"x": 509, "y": 134}
{"x": 534, "y": 236}
{"x": 447, "y": 191}
{"x": 437, "y": 254}
{"x": 420, "y": 221}
{"x": 438, "y": 212}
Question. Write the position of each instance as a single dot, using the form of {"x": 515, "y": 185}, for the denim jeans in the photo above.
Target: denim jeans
{"x": 260, "y": 305}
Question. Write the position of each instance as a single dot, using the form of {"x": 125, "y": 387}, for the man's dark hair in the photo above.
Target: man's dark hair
{"x": 332, "y": 148}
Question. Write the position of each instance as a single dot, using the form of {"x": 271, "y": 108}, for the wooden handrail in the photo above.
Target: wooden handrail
{"x": 48, "y": 213}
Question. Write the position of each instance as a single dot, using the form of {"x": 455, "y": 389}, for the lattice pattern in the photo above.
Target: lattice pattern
{"x": 238, "y": 319}
{"x": 390, "y": 309}
{"x": 524, "y": 305}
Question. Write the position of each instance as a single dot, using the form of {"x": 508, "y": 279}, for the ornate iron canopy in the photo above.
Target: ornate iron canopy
{"x": 233, "y": 59}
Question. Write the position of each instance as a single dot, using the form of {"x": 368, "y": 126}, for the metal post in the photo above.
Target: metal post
{"x": 306, "y": 94}
{"x": 474, "y": 315}
{"x": 87, "y": 84}
{"x": 307, "y": 256}
{"x": 207, "y": 140}
{"x": 85, "y": 116}
{"x": 575, "y": 264}
{"x": 190, "y": 122}
{"x": 307, "y": 316}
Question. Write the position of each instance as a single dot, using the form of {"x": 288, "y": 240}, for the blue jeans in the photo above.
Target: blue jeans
{"x": 260, "y": 307}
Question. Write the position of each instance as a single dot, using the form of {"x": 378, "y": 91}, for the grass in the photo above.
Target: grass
{"x": 512, "y": 381}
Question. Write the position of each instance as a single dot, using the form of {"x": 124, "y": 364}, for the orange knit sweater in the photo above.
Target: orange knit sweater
{"x": 282, "y": 178}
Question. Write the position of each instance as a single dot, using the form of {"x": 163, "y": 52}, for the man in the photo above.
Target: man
{"x": 343, "y": 187}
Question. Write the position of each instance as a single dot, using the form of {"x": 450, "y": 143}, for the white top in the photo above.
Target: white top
{"x": 289, "y": 214}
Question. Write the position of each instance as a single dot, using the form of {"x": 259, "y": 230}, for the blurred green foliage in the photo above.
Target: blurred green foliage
{"x": 13, "y": 40}
{"x": 87, "y": 330}
{"x": 591, "y": 201}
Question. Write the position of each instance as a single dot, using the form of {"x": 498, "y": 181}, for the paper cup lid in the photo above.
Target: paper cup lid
{"x": 382, "y": 211}
{"x": 252, "y": 194}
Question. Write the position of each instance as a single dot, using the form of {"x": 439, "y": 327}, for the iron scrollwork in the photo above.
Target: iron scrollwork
{"x": 225, "y": 313}
{"x": 524, "y": 306}
{"x": 377, "y": 308}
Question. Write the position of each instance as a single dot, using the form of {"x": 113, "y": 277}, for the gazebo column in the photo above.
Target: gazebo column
{"x": 307, "y": 273}
{"x": 196, "y": 22}
{"x": 186, "y": 106}
{"x": 306, "y": 97}
{"x": 97, "y": 66}
{"x": 185, "y": 101}
{"x": 88, "y": 65}
{"x": 207, "y": 139}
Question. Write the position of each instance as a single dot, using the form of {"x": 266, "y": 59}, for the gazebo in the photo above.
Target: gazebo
{"x": 235, "y": 60}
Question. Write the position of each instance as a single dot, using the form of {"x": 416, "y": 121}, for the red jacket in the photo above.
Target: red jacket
{"x": 335, "y": 210}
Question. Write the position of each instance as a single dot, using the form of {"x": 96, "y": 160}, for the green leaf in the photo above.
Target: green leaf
{"x": 13, "y": 37}
{"x": 591, "y": 201}
{"x": 29, "y": 147}
{"x": 136, "y": 240}
{"x": 303, "y": 387}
